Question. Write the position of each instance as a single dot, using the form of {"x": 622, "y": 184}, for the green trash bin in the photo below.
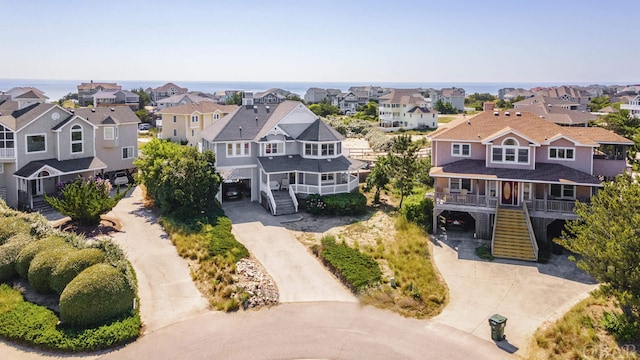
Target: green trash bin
{"x": 497, "y": 323}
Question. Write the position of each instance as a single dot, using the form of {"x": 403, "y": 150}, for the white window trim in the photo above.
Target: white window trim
{"x": 319, "y": 145}
{"x": 458, "y": 189}
{"x": 562, "y": 196}
{"x": 195, "y": 121}
{"x": 556, "y": 148}
{"x": 279, "y": 149}
{"x": 460, "y": 146}
{"x": 113, "y": 134}
{"x": 327, "y": 178}
{"x": 129, "y": 152}
{"x": 234, "y": 148}
{"x": 503, "y": 148}
{"x": 216, "y": 116}
{"x": 26, "y": 144}
{"x": 73, "y": 142}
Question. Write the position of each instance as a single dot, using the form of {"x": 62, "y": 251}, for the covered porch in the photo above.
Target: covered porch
{"x": 40, "y": 177}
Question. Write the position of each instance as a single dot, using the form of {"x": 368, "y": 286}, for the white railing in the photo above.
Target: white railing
{"x": 326, "y": 189}
{"x": 532, "y": 235}
{"x": 264, "y": 187}
{"x": 292, "y": 194}
{"x": 559, "y": 206}
{"x": 7, "y": 153}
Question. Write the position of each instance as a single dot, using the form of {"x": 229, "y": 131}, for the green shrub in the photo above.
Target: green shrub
{"x": 8, "y": 254}
{"x": 484, "y": 252}
{"x": 354, "y": 203}
{"x": 355, "y": 268}
{"x": 11, "y": 223}
{"x": 31, "y": 250}
{"x": 223, "y": 242}
{"x": 36, "y": 325}
{"x": 43, "y": 265}
{"x": 419, "y": 210}
{"x": 621, "y": 327}
{"x": 97, "y": 294}
{"x": 72, "y": 264}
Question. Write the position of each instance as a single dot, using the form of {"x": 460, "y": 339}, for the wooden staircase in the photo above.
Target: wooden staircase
{"x": 284, "y": 203}
{"x": 511, "y": 238}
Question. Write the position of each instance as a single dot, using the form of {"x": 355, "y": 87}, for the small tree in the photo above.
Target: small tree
{"x": 607, "y": 236}
{"x": 379, "y": 177}
{"x": 403, "y": 159}
{"x": 84, "y": 200}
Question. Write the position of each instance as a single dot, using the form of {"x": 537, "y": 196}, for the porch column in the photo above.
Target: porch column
{"x": 320, "y": 184}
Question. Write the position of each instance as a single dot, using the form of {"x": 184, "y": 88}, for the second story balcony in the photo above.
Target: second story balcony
{"x": 7, "y": 153}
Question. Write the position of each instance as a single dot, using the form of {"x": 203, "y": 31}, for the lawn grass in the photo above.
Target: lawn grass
{"x": 443, "y": 119}
{"x": 580, "y": 334}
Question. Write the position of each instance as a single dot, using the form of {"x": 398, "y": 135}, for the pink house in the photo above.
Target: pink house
{"x": 514, "y": 177}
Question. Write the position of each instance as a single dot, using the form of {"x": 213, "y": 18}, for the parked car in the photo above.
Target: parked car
{"x": 460, "y": 220}
{"x": 232, "y": 190}
{"x": 144, "y": 126}
{"x": 120, "y": 178}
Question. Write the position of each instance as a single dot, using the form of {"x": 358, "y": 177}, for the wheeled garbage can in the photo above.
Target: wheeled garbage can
{"x": 497, "y": 323}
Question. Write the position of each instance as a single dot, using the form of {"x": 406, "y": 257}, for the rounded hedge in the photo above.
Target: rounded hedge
{"x": 43, "y": 265}
{"x": 28, "y": 252}
{"x": 12, "y": 224}
{"x": 8, "y": 254}
{"x": 72, "y": 264}
{"x": 97, "y": 294}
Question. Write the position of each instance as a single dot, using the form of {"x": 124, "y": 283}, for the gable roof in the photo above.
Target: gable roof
{"x": 28, "y": 114}
{"x": 320, "y": 131}
{"x": 559, "y": 115}
{"x": 64, "y": 167}
{"x": 204, "y": 107}
{"x": 166, "y": 87}
{"x": 104, "y": 115}
{"x": 32, "y": 94}
{"x": 174, "y": 99}
{"x": 95, "y": 85}
{"x": 486, "y": 124}
{"x": 403, "y": 96}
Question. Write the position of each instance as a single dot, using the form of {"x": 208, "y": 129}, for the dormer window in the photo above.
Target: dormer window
{"x": 510, "y": 152}
{"x": 272, "y": 148}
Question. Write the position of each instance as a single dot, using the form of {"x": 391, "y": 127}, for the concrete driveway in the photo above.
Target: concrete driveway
{"x": 528, "y": 294}
{"x": 298, "y": 275}
{"x": 167, "y": 293}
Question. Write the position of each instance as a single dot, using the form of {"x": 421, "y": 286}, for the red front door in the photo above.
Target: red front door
{"x": 509, "y": 193}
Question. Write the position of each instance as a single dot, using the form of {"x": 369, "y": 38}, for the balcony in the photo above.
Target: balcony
{"x": 536, "y": 207}
{"x": 7, "y": 153}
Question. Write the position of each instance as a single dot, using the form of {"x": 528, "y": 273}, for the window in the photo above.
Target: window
{"x": 328, "y": 149}
{"x": 510, "y": 152}
{"x": 271, "y": 148}
{"x": 6, "y": 139}
{"x": 194, "y": 120}
{"x": 238, "y": 149}
{"x": 175, "y": 132}
{"x": 193, "y": 133}
{"x": 76, "y": 139}
{"x": 311, "y": 149}
{"x": 326, "y": 177}
{"x": 563, "y": 191}
{"x": 110, "y": 133}
{"x": 456, "y": 184}
{"x": 561, "y": 153}
{"x": 463, "y": 150}
{"x": 175, "y": 118}
{"x": 492, "y": 188}
{"x": 127, "y": 152}
{"x": 36, "y": 143}
{"x": 216, "y": 116}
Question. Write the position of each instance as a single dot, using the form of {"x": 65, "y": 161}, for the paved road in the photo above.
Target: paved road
{"x": 325, "y": 330}
{"x": 297, "y": 274}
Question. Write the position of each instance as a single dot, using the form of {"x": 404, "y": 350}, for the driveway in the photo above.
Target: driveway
{"x": 167, "y": 293}
{"x": 528, "y": 294}
{"x": 298, "y": 275}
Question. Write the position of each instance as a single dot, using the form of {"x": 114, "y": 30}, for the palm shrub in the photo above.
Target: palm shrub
{"x": 8, "y": 254}
{"x": 98, "y": 294}
{"x": 43, "y": 265}
{"x": 84, "y": 200}
{"x": 72, "y": 264}
{"x": 26, "y": 255}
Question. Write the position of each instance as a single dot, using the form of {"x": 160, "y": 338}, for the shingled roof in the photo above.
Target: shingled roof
{"x": 319, "y": 131}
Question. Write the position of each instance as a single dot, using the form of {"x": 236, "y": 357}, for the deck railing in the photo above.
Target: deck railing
{"x": 559, "y": 206}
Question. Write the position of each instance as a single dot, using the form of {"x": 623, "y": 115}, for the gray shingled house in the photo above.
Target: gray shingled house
{"x": 281, "y": 152}
{"x": 44, "y": 144}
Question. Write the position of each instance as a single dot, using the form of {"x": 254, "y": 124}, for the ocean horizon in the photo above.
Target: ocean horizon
{"x": 56, "y": 89}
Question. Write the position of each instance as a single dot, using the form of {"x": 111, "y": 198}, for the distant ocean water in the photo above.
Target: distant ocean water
{"x": 56, "y": 89}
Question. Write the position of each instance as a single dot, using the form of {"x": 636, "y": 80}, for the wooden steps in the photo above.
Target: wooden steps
{"x": 511, "y": 237}
{"x": 284, "y": 203}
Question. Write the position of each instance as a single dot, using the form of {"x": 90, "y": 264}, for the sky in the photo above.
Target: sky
{"x": 324, "y": 41}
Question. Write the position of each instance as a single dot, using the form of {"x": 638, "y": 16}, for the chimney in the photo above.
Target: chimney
{"x": 487, "y": 106}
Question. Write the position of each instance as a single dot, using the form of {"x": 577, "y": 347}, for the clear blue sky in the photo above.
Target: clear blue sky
{"x": 346, "y": 40}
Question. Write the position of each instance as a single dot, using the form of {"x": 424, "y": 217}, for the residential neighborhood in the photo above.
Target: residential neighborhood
{"x": 505, "y": 179}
